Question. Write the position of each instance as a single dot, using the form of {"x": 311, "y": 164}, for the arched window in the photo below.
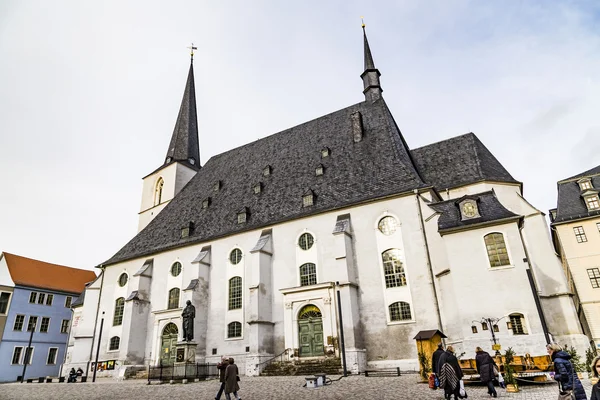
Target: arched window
{"x": 158, "y": 191}
{"x": 173, "y": 298}
{"x": 496, "y": 249}
{"x": 308, "y": 274}
{"x": 235, "y": 293}
{"x": 400, "y": 311}
{"x": 118, "y": 317}
{"x": 517, "y": 324}
{"x": 115, "y": 341}
{"x": 393, "y": 269}
{"x": 234, "y": 329}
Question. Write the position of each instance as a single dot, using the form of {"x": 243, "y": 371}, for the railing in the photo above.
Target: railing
{"x": 164, "y": 373}
{"x": 279, "y": 358}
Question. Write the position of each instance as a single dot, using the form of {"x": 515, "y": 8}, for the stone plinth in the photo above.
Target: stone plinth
{"x": 186, "y": 352}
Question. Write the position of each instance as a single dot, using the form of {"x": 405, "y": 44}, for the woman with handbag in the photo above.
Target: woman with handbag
{"x": 485, "y": 367}
{"x": 450, "y": 374}
{"x": 564, "y": 372}
{"x": 231, "y": 380}
{"x": 596, "y": 372}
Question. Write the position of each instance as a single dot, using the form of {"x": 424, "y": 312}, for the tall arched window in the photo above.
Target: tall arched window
{"x": 400, "y": 311}
{"x": 308, "y": 274}
{"x": 393, "y": 269}
{"x": 235, "y": 293}
{"x": 173, "y": 298}
{"x": 118, "y": 316}
{"x": 234, "y": 329}
{"x": 158, "y": 191}
{"x": 496, "y": 249}
{"x": 115, "y": 341}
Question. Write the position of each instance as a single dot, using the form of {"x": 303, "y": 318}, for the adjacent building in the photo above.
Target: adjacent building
{"x": 576, "y": 234}
{"x": 262, "y": 238}
{"x": 35, "y": 303}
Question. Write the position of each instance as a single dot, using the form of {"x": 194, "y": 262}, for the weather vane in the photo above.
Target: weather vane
{"x": 192, "y": 48}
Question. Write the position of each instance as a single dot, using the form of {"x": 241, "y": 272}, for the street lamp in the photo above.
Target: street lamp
{"x": 491, "y": 323}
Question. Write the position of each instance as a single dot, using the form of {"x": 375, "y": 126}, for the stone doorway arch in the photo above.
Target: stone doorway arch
{"x": 310, "y": 332}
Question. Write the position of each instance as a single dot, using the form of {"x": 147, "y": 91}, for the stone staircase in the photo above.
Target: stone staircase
{"x": 328, "y": 365}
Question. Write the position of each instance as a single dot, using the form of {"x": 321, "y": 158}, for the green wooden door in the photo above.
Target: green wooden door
{"x": 310, "y": 332}
{"x": 168, "y": 344}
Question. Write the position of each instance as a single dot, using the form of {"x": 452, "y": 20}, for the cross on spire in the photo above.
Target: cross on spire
{"x": 192, "y": 48}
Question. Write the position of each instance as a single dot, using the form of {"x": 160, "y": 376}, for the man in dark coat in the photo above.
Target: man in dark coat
{"x": 435, "y": 358}
{"x": 564, "y": 372}
{"x": 485, "y": 368}
{"x": 231, "y": 380}
{"x": 221, "y": 367}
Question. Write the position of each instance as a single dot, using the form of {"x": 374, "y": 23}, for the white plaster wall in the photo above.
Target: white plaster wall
{"x": 5, "y": 278}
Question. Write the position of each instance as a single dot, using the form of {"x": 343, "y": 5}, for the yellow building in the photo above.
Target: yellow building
{"x": 576, "y": 235}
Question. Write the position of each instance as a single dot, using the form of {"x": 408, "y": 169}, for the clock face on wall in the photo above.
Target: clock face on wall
{"x": 469, "y": 210}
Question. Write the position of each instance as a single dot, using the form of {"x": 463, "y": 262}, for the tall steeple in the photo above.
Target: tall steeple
{"x": 184, "y": 146}
{"x": 370, "y": 77}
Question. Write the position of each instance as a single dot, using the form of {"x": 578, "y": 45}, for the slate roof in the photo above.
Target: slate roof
{"x": 570, "y": 204}
{"x": 488, "y": 206}
{"x": 458, "y": 161}
{"x": 39, "y": 274}
{"x": 377, "y": 166}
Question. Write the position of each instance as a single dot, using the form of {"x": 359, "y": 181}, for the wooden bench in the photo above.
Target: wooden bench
{"x": 383, "y": 372}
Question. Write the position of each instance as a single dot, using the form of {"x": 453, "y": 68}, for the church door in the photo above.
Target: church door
{"x": 310, "y": 331}
{"x": 168, "y": 344}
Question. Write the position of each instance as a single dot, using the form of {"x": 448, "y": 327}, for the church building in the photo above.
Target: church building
{"x": 262, "y": 238}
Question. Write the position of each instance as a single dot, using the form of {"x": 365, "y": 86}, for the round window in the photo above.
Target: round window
{"x": 235, "y": 256}
{"x": 176, "y": 269}
{"x": 387, "y": 225}
{"x": 123, "y": 279}
{"x": 306, "y": 241}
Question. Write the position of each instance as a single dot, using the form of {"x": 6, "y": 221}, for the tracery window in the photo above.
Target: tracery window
{"x": 235, "y": 293}
{"x": 118, "y": 316}
{"x": 400, "y": 311}
{"x": 308, "y": 274}
{"x": 393, "y": 268}
{"x": 496, "y": 249}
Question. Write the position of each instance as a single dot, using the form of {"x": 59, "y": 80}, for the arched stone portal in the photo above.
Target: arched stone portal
{"x": 310, "y": 331}
{"x": 168, "y": 344}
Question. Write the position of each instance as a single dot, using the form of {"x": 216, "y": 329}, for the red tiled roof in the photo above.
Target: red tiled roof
{"x": 28, "y": 272}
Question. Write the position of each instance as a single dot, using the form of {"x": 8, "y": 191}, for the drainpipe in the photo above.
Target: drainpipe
{"x": 87, "y": 368}
{"x": 428, "y": 259}
{"x": 534, "y": 291}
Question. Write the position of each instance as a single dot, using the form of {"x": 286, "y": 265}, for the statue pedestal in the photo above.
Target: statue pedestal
{"x": 186, "y": 353}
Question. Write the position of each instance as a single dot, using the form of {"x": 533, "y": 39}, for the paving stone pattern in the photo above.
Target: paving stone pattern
{"x": 263, "y": 388}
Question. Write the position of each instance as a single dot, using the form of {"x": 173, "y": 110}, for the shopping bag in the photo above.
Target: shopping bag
{"x": 462, "y": 393}
{"x": 431, "y": 381}
{"x": 501, "y": 381}
{"x": 437, "y": 382}
{"x": 566, "y": 395}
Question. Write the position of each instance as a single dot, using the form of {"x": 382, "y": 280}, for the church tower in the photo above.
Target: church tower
{"x": 181, "y": 163}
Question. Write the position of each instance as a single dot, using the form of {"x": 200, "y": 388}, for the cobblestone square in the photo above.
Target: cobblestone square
{"x": 280, "y": 387}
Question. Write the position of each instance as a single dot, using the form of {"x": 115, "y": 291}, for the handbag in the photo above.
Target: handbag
{"x": 501, "y": 381}
{"x": 568, "y": 394}
{"x": 237, "y": 378}
{"x": 462, "y": 393}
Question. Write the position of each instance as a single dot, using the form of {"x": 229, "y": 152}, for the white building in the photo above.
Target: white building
{"x": 576, "y": 234}
{"x": 259, "y": 237}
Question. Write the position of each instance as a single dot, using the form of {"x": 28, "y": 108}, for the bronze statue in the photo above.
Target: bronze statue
{"x": 188, "y": 314}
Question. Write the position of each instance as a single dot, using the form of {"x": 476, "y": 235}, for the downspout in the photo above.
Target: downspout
{"x": 532, "y": 284}
{"x": 428, "y": 259}
{"x": 67, "y": 345}
{"x": 87, "y": 368}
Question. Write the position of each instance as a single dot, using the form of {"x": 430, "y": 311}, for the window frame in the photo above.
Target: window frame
{"x": 391, "y": 229}
{"x": 118, "y": 311}
{"x": 26, "y": 359}
{"x": 521, "y": 323}
{"x": 111, "y": 341}
{"x": 308, "y": 200}
{"x": 41, "y": 298}
{"x": 395, "y": 276}
{"x": 171, "y": 303}
{"x": 22, "y": 323}
{"x": 35, "y": 321}
{"x": 123, "y": 277}
{"x": 158, "y": 191}
{"x": 5, "y": 312}
{"x": 401, "y": 312}
{"x": 235, "y": 325}
{"x": 68, "y": 301}
{"x": 47, "y": 325}
{"x": 49, "y": 299}
{"x": 580, "y": 235}
{"x": 65, "y": 325}
{"x": 55, "y": 356}
{"x": 308, "y": 274}
{"x": 234, "y": 293}
{"x": 496, "y": 252}
{"x": 308, "y": 239}
{"x": 592, "y": 202}
{"x": 33, "y": 297}
{"x": 179, "y": 269}
{"x": 235, "y": 256}
{"x": 595, "y": 278}
{"x": 19, "y": 358}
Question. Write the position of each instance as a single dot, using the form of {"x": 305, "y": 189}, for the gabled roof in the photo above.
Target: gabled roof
{"x": 458, "y": 161}
{"x": 570, "y": 204}
{"x": 490, "y": 209}
{"x": 379, "y": 165}
{"x": 39, "y": 274}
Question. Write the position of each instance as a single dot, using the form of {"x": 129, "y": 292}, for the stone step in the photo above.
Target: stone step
{"x": 329, "y": 366}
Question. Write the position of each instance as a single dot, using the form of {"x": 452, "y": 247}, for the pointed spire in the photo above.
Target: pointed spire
{"x": 372, "y": 87}
{"x": 184, "y": 142}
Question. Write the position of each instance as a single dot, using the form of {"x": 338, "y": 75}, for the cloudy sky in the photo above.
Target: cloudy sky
{"x": 89, "y": 94}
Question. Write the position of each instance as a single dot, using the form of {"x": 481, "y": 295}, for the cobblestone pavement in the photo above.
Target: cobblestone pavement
{"x": 279, "y": 387}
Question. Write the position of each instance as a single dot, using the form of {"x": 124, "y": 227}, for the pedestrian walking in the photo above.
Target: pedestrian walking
{"x": 450, "y": 373}
{"x": 565, "y": 374}
{"x": 232, "y": 378}
{"x": 435, "y": 358}
{"x": 596, "y": 373}
{"x": 487, "y": 369}
{"x": 221, "y": 367}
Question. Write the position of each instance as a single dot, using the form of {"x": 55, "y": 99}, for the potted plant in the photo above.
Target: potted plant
{"x": 425, "y": 364}
{"x": 509, "y": 371}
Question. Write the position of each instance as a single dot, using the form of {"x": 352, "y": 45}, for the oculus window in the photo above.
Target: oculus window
{"x": 123, "y": 279}
{"x": 176, "y": 269}
{"x": 306, "y": 241}
{"x": 235, "y": 256}
{"x": 387, "y": 225}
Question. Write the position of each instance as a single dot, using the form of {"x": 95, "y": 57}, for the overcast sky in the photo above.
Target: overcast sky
{"x": 89, "y": 94}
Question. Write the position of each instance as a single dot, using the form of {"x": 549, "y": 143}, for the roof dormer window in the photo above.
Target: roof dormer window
{"x": 191, "y": 161}
{"x": 308, "y": 199}
{"x": 325, "y": 152}
{"x": 217, "y": 186}
{"x": 267, "y": 170}
{"x": 187, "y": 230}
{"x": 319, "y": 170}
{"x": 242, "y": 215}
{"x": 592, "y": 202}
{"x": 206, "y": 202}
{"x": 169, "y": 159}
{"x": 585, "y": 184}
{"x": 257, "y": 188}
{"x": 469, "y": 209}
